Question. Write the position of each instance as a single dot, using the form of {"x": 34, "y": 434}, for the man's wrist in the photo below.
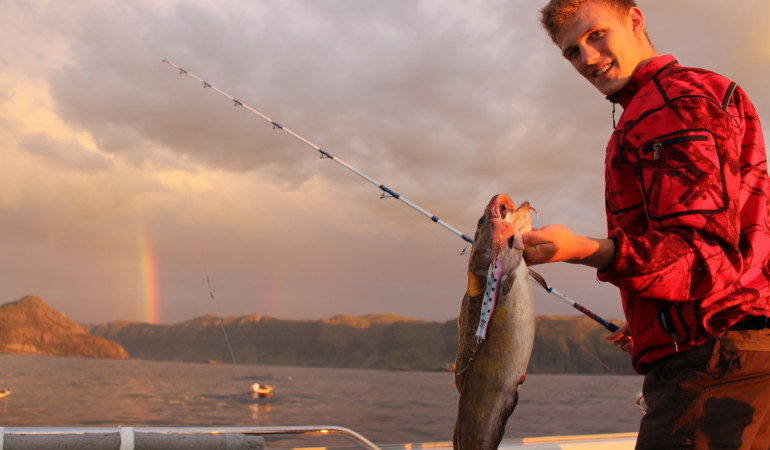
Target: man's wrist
{"x": 598, "y": 253}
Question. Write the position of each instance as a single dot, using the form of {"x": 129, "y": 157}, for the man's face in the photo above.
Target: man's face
{"x": 604, "y": 48}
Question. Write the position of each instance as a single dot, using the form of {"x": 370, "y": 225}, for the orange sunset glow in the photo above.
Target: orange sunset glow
{"x": 445, "y": 102}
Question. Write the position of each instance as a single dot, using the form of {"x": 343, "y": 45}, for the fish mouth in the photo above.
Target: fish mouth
{"x": 507, "y": 211}
{"x": 503, "y": 211}
{"x": 502, "y": 208}
{"x": 518, "y": 217}
{"x": 499, "y": 231}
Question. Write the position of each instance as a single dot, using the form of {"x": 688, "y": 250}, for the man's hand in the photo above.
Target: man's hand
{"x": 622, "y": 338}
{"x": 554, "y": 243}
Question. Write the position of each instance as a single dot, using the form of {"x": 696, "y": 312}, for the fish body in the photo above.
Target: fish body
{"x": 495, "y": 345}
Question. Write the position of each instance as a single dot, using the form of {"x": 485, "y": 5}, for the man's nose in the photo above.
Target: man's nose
{"x": 589, "y": 55}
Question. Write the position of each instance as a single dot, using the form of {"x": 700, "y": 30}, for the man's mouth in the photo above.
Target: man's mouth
{"x": 602, "y": 70}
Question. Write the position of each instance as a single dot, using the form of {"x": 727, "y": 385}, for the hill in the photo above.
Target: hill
{"x": 31, "y": 326}
{"x": 563, "y": 344}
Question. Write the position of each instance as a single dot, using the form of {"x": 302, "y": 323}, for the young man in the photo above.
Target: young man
{"x": 687, "y": 195}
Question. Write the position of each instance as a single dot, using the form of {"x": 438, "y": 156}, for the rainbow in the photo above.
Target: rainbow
{"x": 150, "y": 301}
{"x": 275, "y": 294}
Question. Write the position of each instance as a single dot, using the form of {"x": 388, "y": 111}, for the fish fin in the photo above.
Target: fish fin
{"x": 476, "y": 284}
{"x": 508, "y": 283}
{"x": 513, "y": 400}
{"x": 540, "y": 280}
{"x": 508, "y": 408}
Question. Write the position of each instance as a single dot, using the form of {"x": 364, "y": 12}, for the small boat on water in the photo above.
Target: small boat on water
{"x": 5, "y": 393}
{"x": 261, "y": 391}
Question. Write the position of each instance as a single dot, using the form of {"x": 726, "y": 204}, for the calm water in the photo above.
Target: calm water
{"x": 384, "y": 406}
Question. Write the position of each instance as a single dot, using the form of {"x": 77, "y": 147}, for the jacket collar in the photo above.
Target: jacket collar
{"x": 640, "y": 78}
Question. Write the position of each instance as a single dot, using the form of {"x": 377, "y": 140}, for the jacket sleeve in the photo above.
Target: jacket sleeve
{"x": 687, "y": 166}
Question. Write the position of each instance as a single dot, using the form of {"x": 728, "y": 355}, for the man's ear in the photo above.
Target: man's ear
{"x": 636, "y": 20}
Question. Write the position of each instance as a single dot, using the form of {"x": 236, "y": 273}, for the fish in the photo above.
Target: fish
{"x": 496, "y": 326}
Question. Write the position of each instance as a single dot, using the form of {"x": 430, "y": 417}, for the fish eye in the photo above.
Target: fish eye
{"x": 482, "y": 220}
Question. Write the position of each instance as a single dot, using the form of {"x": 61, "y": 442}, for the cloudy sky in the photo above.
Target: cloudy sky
{"x": 130, "y": 192}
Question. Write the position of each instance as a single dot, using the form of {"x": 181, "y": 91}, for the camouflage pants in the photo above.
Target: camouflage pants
{"x": 716, "y": 396}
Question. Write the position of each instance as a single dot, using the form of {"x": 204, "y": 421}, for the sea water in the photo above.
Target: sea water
{"x": 384, "y": 406}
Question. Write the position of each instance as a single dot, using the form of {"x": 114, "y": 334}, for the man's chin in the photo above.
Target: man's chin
{"x": 607, "y": 88}
{"x": 610, "y": 87}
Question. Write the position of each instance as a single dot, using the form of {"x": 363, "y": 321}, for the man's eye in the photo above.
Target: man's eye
{"x": 597, "y": 34}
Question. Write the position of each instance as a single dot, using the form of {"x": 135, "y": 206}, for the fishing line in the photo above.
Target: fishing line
{"x": 224, "y": 333}
{"x": 387, "y": 192}
{"x": 202, "y": 256}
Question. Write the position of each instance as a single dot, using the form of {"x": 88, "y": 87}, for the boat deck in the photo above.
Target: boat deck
{"x": 616, "y": 441}
{"x": 170, "y": 438}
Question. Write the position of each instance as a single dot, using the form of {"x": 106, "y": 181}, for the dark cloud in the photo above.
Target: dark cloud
{"x": 383, "y": 83}
{"x": 445, "y": 102}
{"x": 67, "y": 155}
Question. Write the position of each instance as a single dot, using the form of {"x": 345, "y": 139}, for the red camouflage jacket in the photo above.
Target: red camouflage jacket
{"x": 687, "y": 206}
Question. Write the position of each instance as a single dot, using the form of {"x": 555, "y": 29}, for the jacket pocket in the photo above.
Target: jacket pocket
{"x": 682, "y": 173}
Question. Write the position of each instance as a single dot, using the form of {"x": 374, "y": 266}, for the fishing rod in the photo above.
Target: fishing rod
{"x": 387, "y": 192}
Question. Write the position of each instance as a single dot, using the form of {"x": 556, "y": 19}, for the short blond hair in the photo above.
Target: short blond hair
{"x": 560, "y": 13}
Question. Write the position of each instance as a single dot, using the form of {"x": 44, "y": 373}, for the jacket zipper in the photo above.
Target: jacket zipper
{"x": 655, "y": 147}
{"x": 668, "y": 325}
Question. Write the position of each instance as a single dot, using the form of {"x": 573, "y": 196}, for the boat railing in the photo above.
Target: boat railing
{"x": 166, "y": 438}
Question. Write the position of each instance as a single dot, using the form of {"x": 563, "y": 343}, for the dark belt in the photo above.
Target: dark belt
{"x": 752, "y": 323}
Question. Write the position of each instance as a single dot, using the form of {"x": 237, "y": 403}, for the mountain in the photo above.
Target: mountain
{"x": 575, "y": 344}
{"x": 563, "y": 344}
{"x": 374, "y": 341}
{"x": 30, "y": 326}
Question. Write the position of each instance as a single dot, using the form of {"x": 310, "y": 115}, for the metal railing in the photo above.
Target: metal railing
{"x": 166, "y": 438}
